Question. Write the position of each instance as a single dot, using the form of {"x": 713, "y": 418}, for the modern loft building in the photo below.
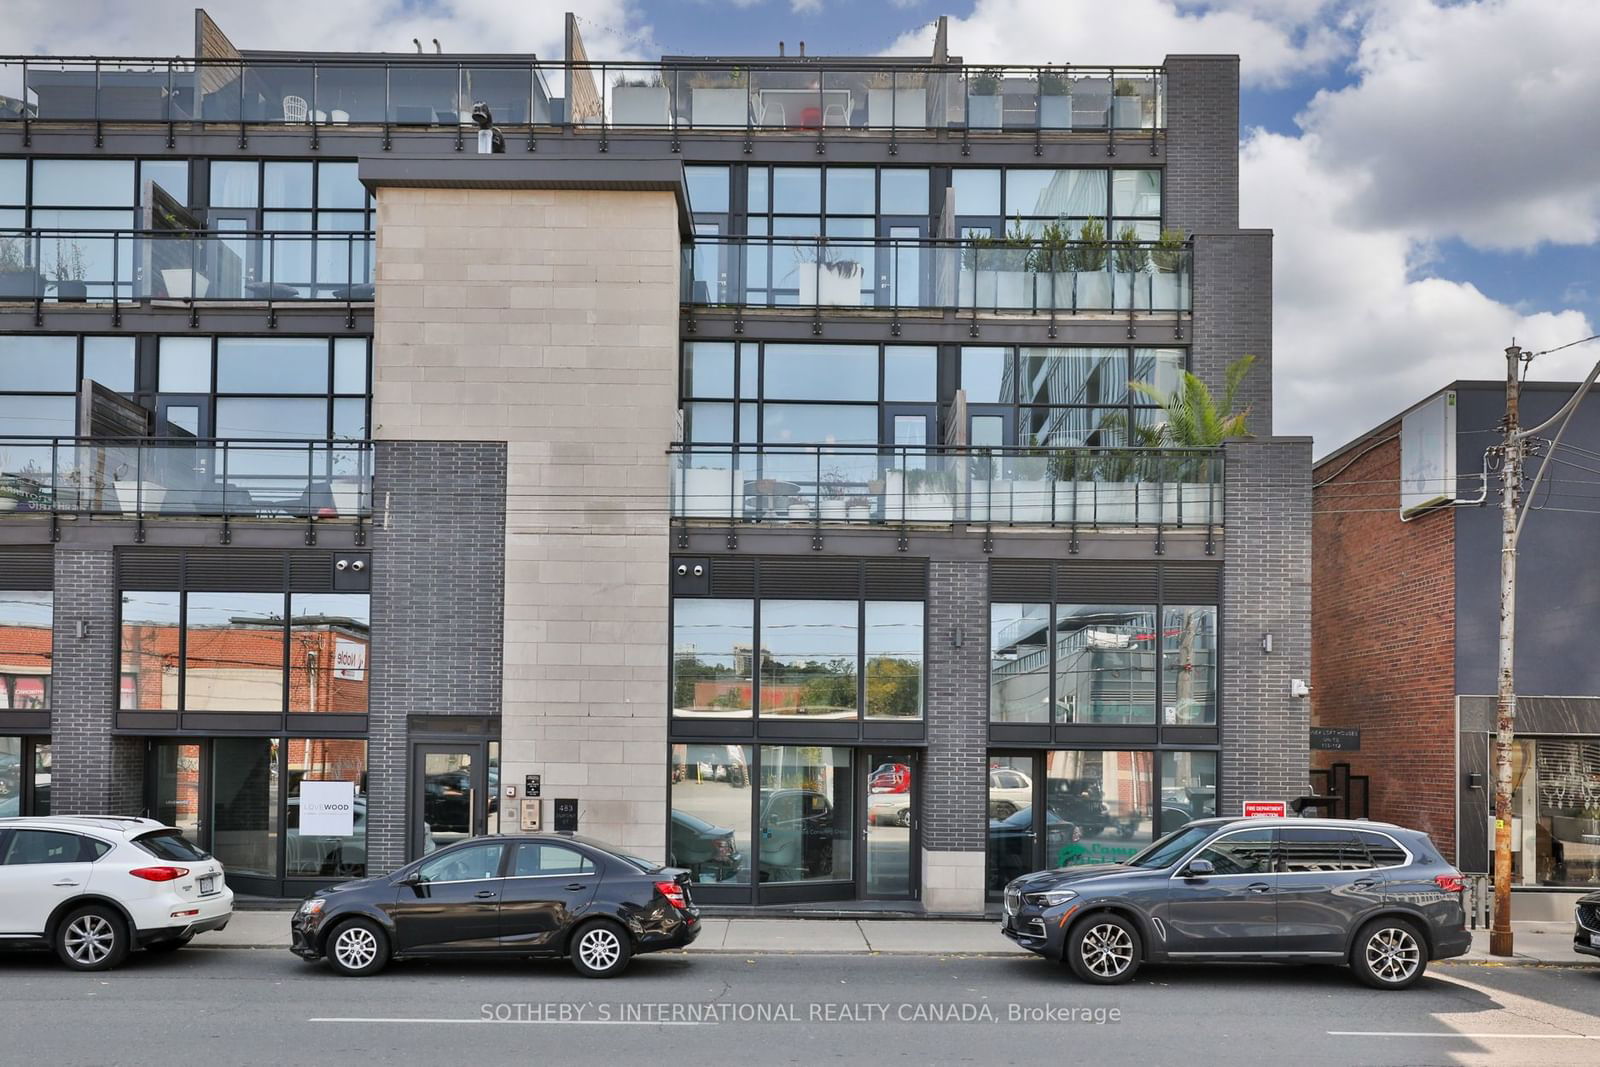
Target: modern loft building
{"x": 1406, "y": 580}
{"x": 745, "y": 458}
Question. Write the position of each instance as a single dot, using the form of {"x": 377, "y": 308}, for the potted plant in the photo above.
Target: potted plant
{"x": 1191, "y": 418}
{"x": 1127, "y": 107}
{"x": 137, "y": 496}
{"x": 1130, "y": 258}
{"x": 1052, "y": 258}
{"x": 1089, "y": 261}
{"x": 719, "y": 98}
{"x": 831, "y": 504}
{"x": 1072, "y": 480}
{"x": 70, "y": 272}
{"x": 704, "y": 492}
{"x": 983, "y": 100}
{"x": 897, "y": 99}
{"x": 827, "y": 277}
{"x": 1169, "y": 289}
{"x": 640, "y": 100}
{"x": 1055, "y": 100}
{"x": 858, "y": 509}
{"x": 19, "y": 279}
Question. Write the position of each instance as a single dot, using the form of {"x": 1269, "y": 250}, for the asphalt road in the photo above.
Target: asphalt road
{"x": 242, "y": 1006}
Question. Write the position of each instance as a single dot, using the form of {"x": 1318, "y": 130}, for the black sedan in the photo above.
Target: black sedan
{"x": 1586, "y": 938}
{"x": 550, "y": 895}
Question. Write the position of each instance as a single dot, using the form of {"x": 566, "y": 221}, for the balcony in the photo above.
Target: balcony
{"x": 188, "y": 265}
{"x": 144, "y": 478}
{"x": 899, "y": 486}
{"x": 1009, "y": 274}
{"x": 673, "y": 94}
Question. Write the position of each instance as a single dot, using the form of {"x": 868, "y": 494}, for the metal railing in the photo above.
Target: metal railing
{"x": 198, "y": 477}
{"x": 895, "y": 485}
{"x": 191, "y": 265}
{"x": 1010, "y": 274}
{"x": 677, "y": 94}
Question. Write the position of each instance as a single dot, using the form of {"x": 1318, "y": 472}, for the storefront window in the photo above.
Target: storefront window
{"x": 10, "y": 777}
{"x": 1556, "y": 811}
{"x": 712, "y": 658}
{"x": 149, "y": 651}
{"x": 329, "y": 635}
{"x": 1011, "y": 836}
{"x": 233, "y": 660}
{"x": 805, "y": 821}
{"x": 327, "y": 823}
{"x": 1098, "y": 806}
{"x": 1188, "y": 788}
{"x": 26, "y": 618}
{"x": 808, "y": 658}
{"x": 1019, "y": 663}
{"x": 244, "y": 804}
{"x": 710, "y": 831}
{"x": 1105, "y": 663}
{"x": 1189, "y": 664}
{"x": 894, "y": 642}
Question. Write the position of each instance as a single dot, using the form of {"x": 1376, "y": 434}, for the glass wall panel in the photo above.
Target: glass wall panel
{"x": 1189, "y": 665}
{"x": 172, "y": 175}
{"x": 894, "y": 643}
{"x": 712, "y": 657}
{"x": 149, "y": 679}
{"x": 821, "y": 372}
{"x": 808, "y": 658}
{"x": 796, "y": 190}
{"x": 987, "y": 377}
{"x": 26, "y": 618}
{"x": 35, "y": 416}
{"x": 1188, "y": 788}
{"x": 338, "y": 187}
{"x": 910, "y": 374}
{"x": 850, "y": 191}
{"x": 286, "y": 185}
{"x": 41, "y": 778}
{"x": 13, "y": 181}
{"x": 327, "y": 853}
{"x": 976, "y": 192}
{"x": 1011, "y": 835}
{"x": 234, "y": 183}
{"x": 244, "y": 804}
{"x": 820, "y": 424}
{"x": 272, "y": 417}
{"x": 10, "y": 777}
{"x": 1105, "y": 663}
{"x": 272, "y": 365}
{"x": 1159, "y": 368}
{"x": 233, "y": 660}
{"x": 184, "y": 365}
{"x": 1098, "y": 806}
{"x": 83, "y": 182}
{"x": 805, "y": 822}
{"x": 176, "y": 778}
{"x": 110, "y": 361}
{"x": 1019, "y": 662}
{"x": 350, "y": 365}
{"x": 710, "y": 818}
{"x": 39, "y": 364}
{"x": 903, "y": 191}
{"x": 1074, "y": 375}
{"x": 329, "y": 637}
{"x": 708, "y": 189}
{"x": 708, "y": 369}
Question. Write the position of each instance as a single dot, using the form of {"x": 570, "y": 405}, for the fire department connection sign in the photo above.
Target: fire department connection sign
{"x": 1254, "y": 808}
{"x": 327, "y": 809}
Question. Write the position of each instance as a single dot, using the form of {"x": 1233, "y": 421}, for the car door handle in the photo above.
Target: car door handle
{"x": 1364, "y": 883}
{"x": 1259, "y": 887}
{"x": 65, "y": 883}
{"x": 576, "y": 886}
{"x": 485, "y": 894}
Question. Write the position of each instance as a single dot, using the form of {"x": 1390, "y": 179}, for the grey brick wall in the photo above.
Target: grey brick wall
{"x": 955, "y": 783}
{"x": 1266, "y": 589}
{"x": 1201, "y": 190}
{"x": 438, "y": 595}
{"x": 1233, "y": 316}
{"x": 91, "y": 771}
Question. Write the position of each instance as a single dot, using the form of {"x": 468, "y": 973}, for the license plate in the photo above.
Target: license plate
{"x": 1594, "y": 939}
{"x": 208, "y": 884}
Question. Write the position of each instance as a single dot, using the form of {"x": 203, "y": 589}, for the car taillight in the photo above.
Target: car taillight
{"x": 1451, "y": 883}
{"x": 674, "y": 894}
{"x": 159, "y": 874}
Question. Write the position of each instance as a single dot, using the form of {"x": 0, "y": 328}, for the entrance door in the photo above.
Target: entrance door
{"x": 905, "y": 265}
{"x": 889, "y": 863}
{"x": 449, "y": 791}
{"x": 174, "y": 788}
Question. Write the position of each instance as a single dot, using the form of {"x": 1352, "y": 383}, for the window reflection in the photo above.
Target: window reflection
{"x": 1189, "y": 663}
{"x": 1011, "y": 836}
{"x": 329, "y": 635}
{"x": 233, "y": 659}
{"x": 1019, "y": 663}
{"x": 894, "y": 645}
{"x": 1099, "y": 806}
{"x": 149, "y": 680}
{"x": 326, "y": 853}
{"x": 710, "y": 818}
{"x": 26, "y": 620}
{"x": 808, "y": 658}
{"x": 1105, "y": 663}
{"x": 712, "y": 656}
{"x": 805, "y": 824}
{"x": 1188, "y": 788}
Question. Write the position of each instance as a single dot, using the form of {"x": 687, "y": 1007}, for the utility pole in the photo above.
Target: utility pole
{"x": 1506, "y": 704}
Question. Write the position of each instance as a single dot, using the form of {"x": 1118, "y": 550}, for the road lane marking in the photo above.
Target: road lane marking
{"x": 1464, "y": 1037}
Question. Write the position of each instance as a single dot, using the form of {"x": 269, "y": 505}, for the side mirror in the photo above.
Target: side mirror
{"x": 1199, "y": 869}
{"x": 413, "y": 880}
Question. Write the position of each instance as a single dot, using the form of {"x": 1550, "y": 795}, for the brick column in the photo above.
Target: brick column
{"x": 954, "y": 781}
{"x": 1201, "y": 192}
{"x": 1266, "y": 588}
{"x": 91, "y": 772}
{"x": 1233, "y": 316}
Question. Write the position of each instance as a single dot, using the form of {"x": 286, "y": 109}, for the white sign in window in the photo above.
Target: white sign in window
{"x": 327, "y": 809}
{"x": 349, "y": 659}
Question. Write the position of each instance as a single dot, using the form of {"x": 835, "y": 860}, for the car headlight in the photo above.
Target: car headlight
{"x": 1049, "y": 898}
{"x": 311, "y": 906}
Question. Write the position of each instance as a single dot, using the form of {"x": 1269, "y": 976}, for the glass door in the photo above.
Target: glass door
{"x": 175, "y": 785}
{"x": 905, "y": 269}
{"x": 890, "y": 796}
{"x": 449, "y": 793}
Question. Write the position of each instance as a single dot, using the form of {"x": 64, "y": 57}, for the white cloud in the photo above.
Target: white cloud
{"x": 805, "y": 7}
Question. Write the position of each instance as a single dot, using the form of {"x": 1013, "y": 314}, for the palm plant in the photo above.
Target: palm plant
{"x": 1191, "y": 416}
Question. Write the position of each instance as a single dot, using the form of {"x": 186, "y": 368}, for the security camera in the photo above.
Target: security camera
{"x": 682, "y": 569}
{"x": 481, "y": 115}
{"x": 358, "y": 565}
{"x": 698, "y": 570}
{"x": 1298, "y": 687}
{"x": 341, "y": 565}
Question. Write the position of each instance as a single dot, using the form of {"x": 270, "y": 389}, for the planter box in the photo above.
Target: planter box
{"x": 918, "y": 506}
{"x": 1168, "y": 292}
{"x": 719, "y": 107}
{"x": 21, "y": 284}
{"x": 897, "y": 108}
{"x": 71, "y": 292}
{"x": 185, "y": 284}
{"x": 983, "y": 112}
{"x": 832, "y": 510}
{"x": 641, "y": 105}
{"x": 837, "y": 289}
{"x": 1093, "y": 290}
{"x": 133, "y": 497}
{"x": 1055, "y": 112}
{"x": 858, "y": 512}
{"x": 348, "y": 494}
{"x": 1074, "y": 502}
{"x": 1127, "y": 112}
{"x": 704, "y": 493}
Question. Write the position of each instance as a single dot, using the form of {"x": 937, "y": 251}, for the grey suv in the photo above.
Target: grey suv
{"x": 1375, "y": 896}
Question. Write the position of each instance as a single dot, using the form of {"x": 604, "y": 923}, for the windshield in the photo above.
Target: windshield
{"x": 170, "y": 845}
{"x": 1172, "y": 848}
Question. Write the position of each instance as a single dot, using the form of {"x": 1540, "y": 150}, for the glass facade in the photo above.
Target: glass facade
{"x": 808, "y": 658}
{"x": 1555, "y": 808}
{"x": 26, "y": 650}
{"x": 324, "y": 854}
{"x": 805, "y": 820}
{"x": 709, "y": 833}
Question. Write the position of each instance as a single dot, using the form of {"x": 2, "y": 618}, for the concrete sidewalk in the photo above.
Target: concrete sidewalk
{"x": 1536, "y": 942}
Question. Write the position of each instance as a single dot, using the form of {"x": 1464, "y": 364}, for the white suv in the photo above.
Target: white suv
{"x": 94, "y": 886}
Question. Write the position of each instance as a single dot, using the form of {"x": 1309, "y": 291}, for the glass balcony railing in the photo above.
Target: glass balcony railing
{"x": 147, "y": 477}
{"x": 434, "y": 91}
{"x": 133, "y": 265}
{"x": 1008, "y": 274}
{"x": 1096, "y": 487}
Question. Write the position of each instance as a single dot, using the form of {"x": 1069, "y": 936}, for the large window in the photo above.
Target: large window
{"x": 291, "y": 197}
{"x": 805, "y": 821}
{"x": 989, "y": 201}
{"x": 1105, "y": 663}
{"x": 894, "y": 656}
{"x": 39, "y": 380}
{"x": 709, "y": 835}
{"x": 233, "y": 652}
{"x": 712, "y": 656}
{"x": 809, "y": 658}
{"x": 1099, "y": 806}
{"x": 1189, "y": 665}
{"x": 26, "y": 645}
{"x": 328, "y": 638}
{"x": 150, "y": 651}
{"x": 1072, "y": 396}
{"x": 1019, "y": 663}
{"x": 326, "y": 851}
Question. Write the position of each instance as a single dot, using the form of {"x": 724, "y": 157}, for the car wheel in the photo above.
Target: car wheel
{"x": 601, "y": 950}
{"x": 904, "y": 818}
{"x": 92, "y": 939}
{"x": 1389, "y": 954}
{"x": 357, "y": 948}
{"x": 170, "y": 945}
{"x": 1103, "y": 949}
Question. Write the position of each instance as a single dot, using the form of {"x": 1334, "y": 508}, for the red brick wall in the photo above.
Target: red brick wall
{"x": 1383, "y": 638}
